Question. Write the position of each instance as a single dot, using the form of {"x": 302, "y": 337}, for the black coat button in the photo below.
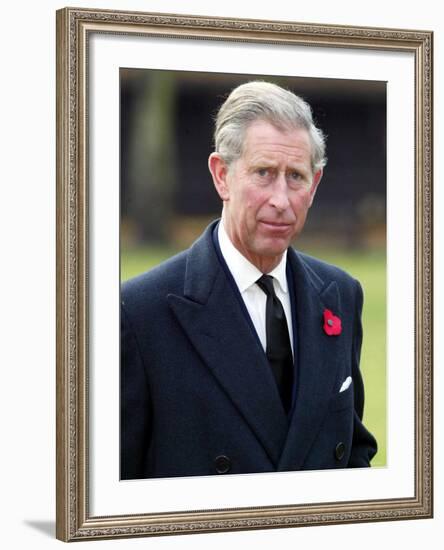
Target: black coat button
{"x": 222, "y": 464}
{"x": 340, "y": 451}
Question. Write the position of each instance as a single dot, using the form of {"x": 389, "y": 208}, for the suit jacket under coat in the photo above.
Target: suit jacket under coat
{"x": 196, "y": 385}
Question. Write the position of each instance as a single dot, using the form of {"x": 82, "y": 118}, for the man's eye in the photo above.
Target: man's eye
{"x": 295, "y": 176}
{"x": 262, "y": 172}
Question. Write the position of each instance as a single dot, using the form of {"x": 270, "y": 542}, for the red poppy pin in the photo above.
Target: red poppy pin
{"x": 332, "y": 324}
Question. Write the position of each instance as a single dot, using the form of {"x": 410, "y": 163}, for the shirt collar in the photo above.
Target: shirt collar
{"x": 244, "y": 272}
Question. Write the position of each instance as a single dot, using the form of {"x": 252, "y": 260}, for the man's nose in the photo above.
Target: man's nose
{"x": 279, "y": 193}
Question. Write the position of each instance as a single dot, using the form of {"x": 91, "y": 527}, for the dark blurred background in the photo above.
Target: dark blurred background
{"x": 167, "y": 194}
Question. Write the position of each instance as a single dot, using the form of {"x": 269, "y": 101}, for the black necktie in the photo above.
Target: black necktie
{"x": 278, "y": 352}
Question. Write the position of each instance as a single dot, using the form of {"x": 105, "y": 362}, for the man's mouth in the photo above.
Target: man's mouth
{"x": 276, "y": 227}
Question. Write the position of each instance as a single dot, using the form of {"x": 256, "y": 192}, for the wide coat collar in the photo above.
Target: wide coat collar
{"x": 210, "y": 314}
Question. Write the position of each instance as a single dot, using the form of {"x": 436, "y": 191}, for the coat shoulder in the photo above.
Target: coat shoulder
{"x": 322, "y": 273}
{"x": 167, "y": 277}
{"x": 325, "y": 270}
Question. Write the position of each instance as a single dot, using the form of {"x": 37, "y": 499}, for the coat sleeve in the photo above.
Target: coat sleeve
{"x": 364, "y": 445}
{"x": 135, "y": 407}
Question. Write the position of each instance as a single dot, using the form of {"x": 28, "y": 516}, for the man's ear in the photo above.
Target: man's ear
{"x": 316, "y": 179}
{"x": 219, "y": 172}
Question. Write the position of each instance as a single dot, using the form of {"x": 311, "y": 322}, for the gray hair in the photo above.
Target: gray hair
{"x": 264, "y": 101}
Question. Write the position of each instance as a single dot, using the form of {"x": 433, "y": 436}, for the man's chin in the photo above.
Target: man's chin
{"x": 274, "y": 248}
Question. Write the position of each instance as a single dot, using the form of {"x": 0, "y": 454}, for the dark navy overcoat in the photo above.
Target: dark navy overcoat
{"x": 197, "y": 394}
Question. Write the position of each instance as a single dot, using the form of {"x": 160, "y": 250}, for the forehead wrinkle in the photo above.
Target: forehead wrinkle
{"x": 291, "y": 160}
{"x": 268, "y": 149}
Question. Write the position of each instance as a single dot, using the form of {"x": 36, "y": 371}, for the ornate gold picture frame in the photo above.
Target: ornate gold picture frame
{"x": 77, "y": 517}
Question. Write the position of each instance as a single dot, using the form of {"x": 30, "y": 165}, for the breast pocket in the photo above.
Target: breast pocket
{"x": 342, "y": 400}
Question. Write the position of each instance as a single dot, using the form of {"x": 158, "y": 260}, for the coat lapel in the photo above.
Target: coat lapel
{"x": 210, "y": 314}
{"x": 319, "y": 357}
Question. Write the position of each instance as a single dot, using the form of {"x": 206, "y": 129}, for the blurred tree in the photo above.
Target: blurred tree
{"x": 151, "y": 166}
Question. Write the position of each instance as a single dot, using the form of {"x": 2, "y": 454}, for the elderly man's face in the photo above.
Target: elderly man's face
{"x": 267, "y": 192}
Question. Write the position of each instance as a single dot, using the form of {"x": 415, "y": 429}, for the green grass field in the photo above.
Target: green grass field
{"x": 370, "y": 269}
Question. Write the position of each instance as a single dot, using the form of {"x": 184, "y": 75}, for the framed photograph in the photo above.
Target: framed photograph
{"x": 137, "y": 98}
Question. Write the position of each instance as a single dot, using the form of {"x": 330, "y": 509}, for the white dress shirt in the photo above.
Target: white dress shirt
{"x": 245, "y": 275}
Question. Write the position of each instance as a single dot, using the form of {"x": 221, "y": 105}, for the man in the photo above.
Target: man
{"x": 240, "y": 354}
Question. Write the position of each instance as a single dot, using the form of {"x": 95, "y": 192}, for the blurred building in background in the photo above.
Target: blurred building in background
{"x": 167, "y": 195}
